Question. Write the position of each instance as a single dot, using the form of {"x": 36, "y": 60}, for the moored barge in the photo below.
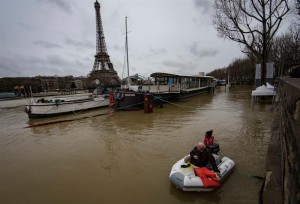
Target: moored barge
{"x": 165, "y": 87}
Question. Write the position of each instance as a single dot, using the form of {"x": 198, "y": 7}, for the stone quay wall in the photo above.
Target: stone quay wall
{"x": 282, "y": 182}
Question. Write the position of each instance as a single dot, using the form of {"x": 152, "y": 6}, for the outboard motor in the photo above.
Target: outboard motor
{"x": 214, "y": 148}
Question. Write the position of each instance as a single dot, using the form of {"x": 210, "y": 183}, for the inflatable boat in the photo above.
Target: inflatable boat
{"x": 188, "y": 177}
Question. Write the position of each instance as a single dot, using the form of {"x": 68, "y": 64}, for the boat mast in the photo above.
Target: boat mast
{"x": 126, "y": 47}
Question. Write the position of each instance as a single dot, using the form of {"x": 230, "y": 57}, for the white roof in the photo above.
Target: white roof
{"x": 269, "y": 86}
{"x": 263, "y": 91}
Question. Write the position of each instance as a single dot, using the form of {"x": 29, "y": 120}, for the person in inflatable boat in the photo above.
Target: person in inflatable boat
{"x": 201, "y": 157}
{"x": 211, "y": 142}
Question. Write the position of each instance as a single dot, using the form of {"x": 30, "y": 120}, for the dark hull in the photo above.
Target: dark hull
{"x": 128, "y": 100}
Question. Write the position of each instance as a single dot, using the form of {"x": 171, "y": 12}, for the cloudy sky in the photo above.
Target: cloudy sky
{"x": 58, "y": 37}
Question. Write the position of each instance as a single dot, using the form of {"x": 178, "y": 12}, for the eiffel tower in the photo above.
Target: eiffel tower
{"x": 103, "y": 70}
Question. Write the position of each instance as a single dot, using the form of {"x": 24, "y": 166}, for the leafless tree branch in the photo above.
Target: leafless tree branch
{"x": 252, "y": 23}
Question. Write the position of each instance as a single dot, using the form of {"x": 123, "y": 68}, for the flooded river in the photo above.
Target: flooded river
{"x": 126, "y": 157}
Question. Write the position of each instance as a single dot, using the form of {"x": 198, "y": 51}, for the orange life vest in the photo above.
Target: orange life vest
{"x": 209, "y": 178}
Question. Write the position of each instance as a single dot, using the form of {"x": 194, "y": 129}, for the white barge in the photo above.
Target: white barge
{"x": 41, "y": 108}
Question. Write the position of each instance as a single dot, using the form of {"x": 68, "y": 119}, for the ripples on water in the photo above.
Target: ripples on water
{"x": 127, "y": 156}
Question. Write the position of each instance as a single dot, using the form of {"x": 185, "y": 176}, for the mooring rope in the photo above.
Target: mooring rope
{"x": 173, "y": 103}
{"x": 189, "y": 107}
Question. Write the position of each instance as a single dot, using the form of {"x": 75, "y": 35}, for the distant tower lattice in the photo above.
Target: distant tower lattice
{"x": 103, "y": 69}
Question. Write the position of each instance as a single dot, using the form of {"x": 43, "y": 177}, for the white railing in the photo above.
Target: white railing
{"x": 161, "y": 88}
{"x": 174, "y": 88}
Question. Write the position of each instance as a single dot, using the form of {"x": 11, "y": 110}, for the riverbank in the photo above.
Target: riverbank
{"x": 271, "y": 190}
{"x": 282, "y": 182}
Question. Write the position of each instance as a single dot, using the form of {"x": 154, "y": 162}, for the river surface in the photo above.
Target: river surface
{"x": 126, "y": 157}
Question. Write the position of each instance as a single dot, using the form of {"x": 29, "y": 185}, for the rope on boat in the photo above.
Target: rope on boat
{"x": 172, "y": 103}
{"x": 54, "y": 107}
{"x": 175, "y": 104}
{"x": 77, "y": 112}
{"x": 182, "y": 106}
{"x": 74, "y": 111}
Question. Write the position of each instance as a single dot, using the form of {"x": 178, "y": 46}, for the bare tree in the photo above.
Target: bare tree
{"x": 279, "y": 53}
{"x": 297, "y": 12}
{"x": 293, "y": 45}
{"x": 253, "y": 23}
{"x": 286, "y": 50}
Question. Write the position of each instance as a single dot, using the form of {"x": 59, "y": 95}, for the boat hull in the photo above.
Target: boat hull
{"x": 130, "y": 100}
{"x": 50, "y": 109}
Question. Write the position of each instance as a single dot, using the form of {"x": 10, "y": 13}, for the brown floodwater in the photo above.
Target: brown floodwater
{"x": 126, "y": 157}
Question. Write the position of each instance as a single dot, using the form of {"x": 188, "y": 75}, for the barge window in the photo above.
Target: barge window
{"x": 161, "y": 80}
{"x": 172, "y": 80}
{"x": 165, "y": 80}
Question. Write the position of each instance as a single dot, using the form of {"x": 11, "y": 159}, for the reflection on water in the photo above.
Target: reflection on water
{"x": 111, "y": 157}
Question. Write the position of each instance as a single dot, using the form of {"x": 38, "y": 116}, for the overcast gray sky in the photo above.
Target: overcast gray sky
{"x": 58, "y": 37}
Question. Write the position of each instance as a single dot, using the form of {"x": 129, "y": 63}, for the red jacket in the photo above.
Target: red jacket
{"x": 208, "y": 141}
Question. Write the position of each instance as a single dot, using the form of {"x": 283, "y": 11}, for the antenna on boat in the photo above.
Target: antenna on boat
{"x": 126, "y": 46}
